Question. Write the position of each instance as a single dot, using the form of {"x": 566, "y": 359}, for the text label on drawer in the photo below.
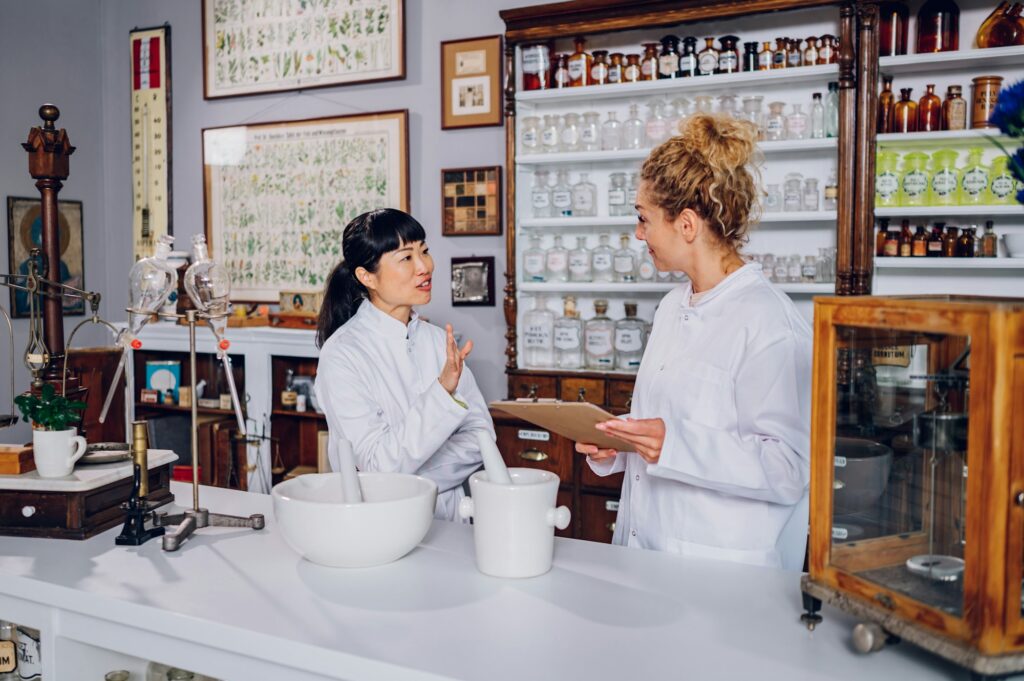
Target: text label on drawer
{"x": 535, "y": 435}
{"x": 611, "y": 505}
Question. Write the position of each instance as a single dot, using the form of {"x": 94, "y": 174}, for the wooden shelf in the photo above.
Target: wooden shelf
{"x": 920, "y": 263}
{"x": 299, "y": 414}
{"x": 630, "y": 220}
{"x": 622, "y": 155}
{"x": 781, "y": 78}
{"x": 938, "y": 62}
{"x": 946, "y": 211}
{"x": 648, "y": 288}
{"x": 942, "y": 138}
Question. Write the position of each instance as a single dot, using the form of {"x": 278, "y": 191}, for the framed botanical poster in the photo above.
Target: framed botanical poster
{"x": 278, "y": 195}
{"x": 471, "y": 201}
{"x": 25, "y": 232}
{"x": 473, "y": 281}
{"x": 471, "y": 83}
{"x": 254, "y": 47}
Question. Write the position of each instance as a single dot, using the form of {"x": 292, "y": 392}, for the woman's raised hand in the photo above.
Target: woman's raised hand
{"x": 455, "y": 358}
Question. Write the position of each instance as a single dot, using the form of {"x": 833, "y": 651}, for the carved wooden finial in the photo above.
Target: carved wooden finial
{"x": 49, "y": 113}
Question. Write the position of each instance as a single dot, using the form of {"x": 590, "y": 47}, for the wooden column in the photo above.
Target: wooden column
{"x": 847, "y": 149}
{"x": 864, "y": 208}
{"x": 511, "y": 362}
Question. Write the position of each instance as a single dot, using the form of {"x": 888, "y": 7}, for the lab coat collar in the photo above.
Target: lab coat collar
{"x": 385, "y": 324}
{"x": 741, "y": 277}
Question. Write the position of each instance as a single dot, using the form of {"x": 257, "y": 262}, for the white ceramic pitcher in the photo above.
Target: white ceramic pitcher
{"x": 56, "y": 451}
{"x": 514, "y": 525}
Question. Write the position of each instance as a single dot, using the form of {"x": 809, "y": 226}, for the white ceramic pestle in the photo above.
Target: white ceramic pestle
{"x": 350, "y": 491}
{"x": 497, "y": 472}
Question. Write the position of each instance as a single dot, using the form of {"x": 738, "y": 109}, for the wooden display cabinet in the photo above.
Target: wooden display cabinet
{"x": 909, "y": 394}
{"x": 295, "y": 434}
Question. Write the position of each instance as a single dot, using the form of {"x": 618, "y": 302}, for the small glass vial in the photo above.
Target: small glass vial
{"x": 775, "y": 123}
{"x": 624, "y": 262}
{"x": 886, "y": 100}
{"x": 793, "y": 197}
{"x": 935, "y": 241}
{"x": 630, "y": 336}
{"x": 579, "y": 261}
{"x": 906, "y": 240}
{"x": 537, "y": 335}
{"x": 919, "y": 245}
{"x": 668, "y": 59}
{"x": 570, "y": 133}
{"x": 773, "y": 199}
{"x": 561, "y": 196}
{"x": 780, "y": 271}
{"x": 649, "y": 62}
{"x": 707, "y": 59}
{"x": 688, "y": 59}
{"x": 954, "y": 109}
{"x": 540, "y": 195}
{"x": 615, "y": 67}
{"x": 728, "y": 56}
{"x": 764, "y": 57}
{"x": 568, "y": 337}
{"x": 949, "y": 242}
{"x": 779, "y": 54}
{"x": 808, "y": 270}
{"x": 633, "y": 133}
{"x": 584, "y": 197}
{"x": 817, "y": 117}
{"x": 827, "y": 50}
{"x": 590, "y": 132}
{"x": 811, "y": 197}
{"x": 611, "y": 133}
{"x": 556, "y": 262}
{"x": 602, "y": 260}
{"x": 831, "y": 201}
{"x": 794, "y": 55}
{"x": 599, "y": 68}
{"x": 533, "y": 261}
{"x": 599, "y": 336}
{"x": 529, "y": 135}
{"x": 796, "y": 124}
{"x": 550, "y": 134}
{"x": 631, "y": 71}
{"x": 929, "y": 111}
{"x": 965, "y": 243}
{"x": 579, "y": 64}
{"x": 617, "y": 196}
{"x": 794, "y": 269}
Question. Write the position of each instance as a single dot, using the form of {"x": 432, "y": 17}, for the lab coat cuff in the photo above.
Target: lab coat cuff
{"x": 607, "y": 467}
{"x": 449, "y": 405}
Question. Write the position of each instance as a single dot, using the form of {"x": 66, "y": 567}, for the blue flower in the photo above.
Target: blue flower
{"x": 1020, "y": 196}
{"x": 1008, "y": 114}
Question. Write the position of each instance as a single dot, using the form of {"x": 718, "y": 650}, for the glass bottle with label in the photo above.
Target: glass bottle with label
{"x": 599, "y": 68}
{"x": 945, "y": 178}
{"x": 668, "y": 59}
{"x": 779, "y": 54}
{"x": 796, "y": 124}
{"x": 989, "y": 242}
{"x": 584, "y": 197}
{"x": 688, "y": 58}
{"x": 792, "y": 192}
{"x": 811, "y": 197}
{"x": 904, "y": 112}
{"x": 810, "y": 51}
{"x": 599, "y": 336}
{"x": 536, "y": 63}
{"x": 749, "y": 57}
{"x": 893, "y": 21}
{"x": 624, "y": 261}
{"x": 540, "y": 195}
{"x": 602, "y": 260}
{"x": 727, "y": 105}
{"x": 832, "y": 110}
{"x": 916, "y": 179}
{"x": 29, "y": 665}
{"x": 954, "y": 109}
{"x": 773, "y": 199}
{"x": 794, "y": 55}
{"x": 630, "y": 339}
{"x": 617, "y": 196}
{"x": 887, "y": 179}
{"x": 880, "y": 236}
{"x": 817, "y": 117}
{"x": 646, "y": 271}
{"x": 935, "y": 241}
{"x": 775, "y": 123}
{"x": 765, "y": 61}
{"x": 550, "y": 133}
{"x": 831, "y": 201}
{"x": 533, "y": 261}
{"x": 809, "y": 270}
{"x": 570, "y": 133}
{"x": 891, "y": 247}
{"x": 1003, "y": 184}
{"x": 929, "y": 111}
{"x": 707, "y": 59}
{"x": 938, "y": 27}
{"x": 919, "y": 246}
{"x": 568, "y": 337}
{"x": 590, "y": 131}
{"x": 556, "y": 262}
{"x": 631, "y": 188}
{"x": 579, "y": 64}
{"x": 529, "y": 135}
{"x": 1005, "y": 30}
{"x": 729, "y": 55}
{"x": 561, "y": 79}
{"x": 974, "y": 179}
{"x": 538, "y": 332}
{"x": 886, "y": 100}
{"x": 561, "y": 196}
{"x": 753, "y": 113}
{"x": 965, "y": 244}
{"x": 615, "y": 66}
{"x": 633, "y": 133}
{"x": 906, "y": 240}
{"x": 656, "y": 127}
{"x": 631, "y": 71}
{"x": 828, "y": 50}
{"x": 949, "y": 241}
{"x": 649, "y": 62}
{"x": 579, "y": 261}
{"x": 611, "y": 133}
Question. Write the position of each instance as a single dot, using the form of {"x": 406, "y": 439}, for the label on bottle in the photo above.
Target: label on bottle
{"x": 540, "y": 199}
{"x": 915, "y": 184}
{"x": 905, "y": 249}
{"x": 774, "y": 127}
{"x": 602, "y": 262}
{"x": 657, "y": 129}
{"x": 570, "y": 136}
{"x": 1002, "y": 186}
{"x": 647, "y": 67}
{"x": 583, "y": 200}
{"x": 579, "y": 263}
{"x": 792, "y": 200}
{"x": 624, "y": 264}
{"x": 557, "y": 260}
{"x": 793, "y": 58}
{"x": 944, "y": 183}
{"x": 629, "y": 340}
{"x": 30, "y": 662}
{"x": 891, "y": 248}
{"x": 567, "y": 337}
{"x": 577, "y": 68}
{"x": 537, "y": 336}
{"x": 631, "y": 73}
{"x": 646, "y": 270}
{"x": 831, "y": 192}
{"x": 810, "y": 200}
{"x": 728, "y": 62}
{"x": 796, "y": 125}
{"x": 764, "y": 61}
{"x": 588, "y": 134}
{"x": 956, "y": 114}
{"x": 599, "y": 342}
{"x": 530, "y": 138}
{"x": 614, "y": 74}
{"x": 631, "y": 196}
{"x": 772, "y": 201}
{"x": 533, "y": 263}
{"x": 668, "y": 65}
{"x": 688, "y": 63}
{"x": 974, "y": 182}
{"x": 536, "y": 60}
{"x": 887, "y": 183}
{"x": 779, "y": 59}
{"x": 807, "y": 271}
{"x": 616, "y": 197}
{"x": 707, "y": 62}
{"x": 825, "y": 53}
{"x": 599, "y": 73}
{"x": 919, "y": 247}
{"x": 561, "y": 199}
{"x": 935, "y": 247}
{"x": 561, "y": 77}
{"x": 549, "y": 138}
{"x": 810, "y": 56}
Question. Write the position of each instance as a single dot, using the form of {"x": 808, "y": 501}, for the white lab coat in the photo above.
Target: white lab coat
{"x": 377, "y": 384}
{"x": 731, "y": 378}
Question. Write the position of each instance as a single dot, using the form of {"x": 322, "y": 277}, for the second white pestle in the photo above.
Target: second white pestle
{"x": 350, "y": 490}
{"x": 497, "y": 472}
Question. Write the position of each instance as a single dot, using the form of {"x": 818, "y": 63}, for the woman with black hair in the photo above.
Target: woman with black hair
{"x": 394, "y": 386}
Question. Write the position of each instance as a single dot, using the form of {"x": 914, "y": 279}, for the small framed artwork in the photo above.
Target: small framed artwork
{"x": 473, "y": 281}
{"x": 471, "y": 83}
{"x": 25, "y": 232}
{"x": 471, "y": 201}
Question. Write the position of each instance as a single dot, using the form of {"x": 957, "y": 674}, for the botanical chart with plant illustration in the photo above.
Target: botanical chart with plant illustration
{"x": 278, "y": 195}
{"x": 254, "y": 46}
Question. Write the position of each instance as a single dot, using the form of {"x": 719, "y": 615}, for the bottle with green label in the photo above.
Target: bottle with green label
{"x": 1003, "y": 186}
{"x": 887, "y": 179}
{"x": 916, "y": 179}
{"x": 945, "y": 178}
{"x": 974, "y": 179}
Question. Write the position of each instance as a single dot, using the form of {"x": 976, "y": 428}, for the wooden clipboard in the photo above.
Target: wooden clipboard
{"x": 572, "y": 420}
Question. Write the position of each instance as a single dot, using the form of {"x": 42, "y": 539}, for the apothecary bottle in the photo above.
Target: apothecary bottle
{"x": 633, "y": 132}
{"x": 811, "y": 197}
{"x": 887, "y": 179}
{"x": 989, "y": 242}
{"x": 579, "y": 261}
{"x": 536, "y": 62}
{"x": 561, "y": 196}
{"x": 624, "y": 261}
{"x": 707, "y": 60}
{"x": 945, "y": 178}
{"x": 560, "y": 79}
{"x": 584, "y": 197}
{"x": 631, "y": 71}
{"x": 615, "y": 66}
{"x": 611, "y": 133}
{"x": 656, "y": 128}
{"x": 753, "y": 114}
{"x": 550, "y": 133}
{"x": 808, "y": 270}
{"x": 919, "y": 245}
{"x": 886, "y": 100}
{"x": 556, "y": 262}
{"x": 965, "y": 243}
{"x": 985, "y": 96}
{"x": 775, "y": 123}
{"x": 599, "y": 68}
{"x": 645, "y": 269}
{"x": 893, "y": 22}
{"x": 916, "y": 179}
{"x": 540, "y": 195}
{"x": 668, "y": 58}
{"x": 891, "y": 247}
{"x": 617, "y": 196}
{"x": 779, "y": 54}
{"x": 983, "y": 38}
{"x": 599, "y": 338}
{"x": 832, "y": 110}
{"x": 1003, "y": 185}
{"x": 749, "y": 56}
{"x": 794, "y": 55}
{"x": 688, "y": 58}
{"x": 1005, "y": 30}
{"x": 765, "y": 60}
{"x": 529, "y": 135}
{"x": 954, "y": 109}
{"x": 590, "y": 132}
{"x": 602, "y": 260}
{"x": 568, "y": 337}
{"x": 579, "y": 64}
{"x": 904, "y": 112}
{"x": 649, "y": 62}
{"x": 906, "y": 240}
{"x": 949, "y": 242}
{"x": 974, "y": 179}
{"x": 630, "y": 336}
{"x": 792, "y": 194}
{"x": 827, "y": 53}
{"x": 929, "y": 111}
{"x": 570, "y": 133}
{"x": 810, "y": 55}
{"x": 938, "y": 27}
{"x": 935, "y": 241}
{"x": 880, "y": 236}
{"x": 728, "y": 56}
{"x": 533, "y": 261}
{"x": 817, "y": 117}
{"x": 796, "y": 124}
{"x": 703, "y": 104}
{"x": 631, "y": 188}
{"x": 772, "y": 199}
{"x": 538, "y": 332}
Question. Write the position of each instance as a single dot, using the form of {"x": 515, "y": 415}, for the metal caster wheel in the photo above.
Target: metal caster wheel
{"x": 868, "y": 637}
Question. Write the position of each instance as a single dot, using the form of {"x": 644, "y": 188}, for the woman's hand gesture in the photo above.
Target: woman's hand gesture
{"x": 455, "y": 358}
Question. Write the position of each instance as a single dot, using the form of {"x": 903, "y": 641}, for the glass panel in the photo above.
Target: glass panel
{"x": 900, "y": 476}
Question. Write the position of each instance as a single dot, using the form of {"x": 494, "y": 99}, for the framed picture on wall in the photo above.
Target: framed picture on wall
{"x": 471, "y": 83}
{"x": 278, "y": 195}
{"x": 473, "y": 281}
{"x": 279, "y": 45}
{"x": 25, "y": 232}
{"x": 471, "y": 201}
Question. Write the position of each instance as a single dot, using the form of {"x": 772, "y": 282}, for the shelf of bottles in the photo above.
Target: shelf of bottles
{"x": 941, "y": 180}
{"x": 579, "y": 150}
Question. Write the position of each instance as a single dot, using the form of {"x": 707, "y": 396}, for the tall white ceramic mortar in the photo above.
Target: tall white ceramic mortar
{"x": 514, "y": 525}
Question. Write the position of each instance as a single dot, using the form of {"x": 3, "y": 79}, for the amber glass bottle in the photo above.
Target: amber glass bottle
{"x": 893, "y": 20}
{"x": 1006, "y": 30}
{"x": 904, "y": 113}
{"x": 649, "y": 62}
{"x": 886, "y": 99}
{"x": 965, "y": 244}
{"x": 779, "y": 56}
{"x": 984, "y": 34}
{"x": 906, "y": 240}
{"x": 707, "y": 59}
{"x": 919, "y": 247}
{"x": 949, "y": 241}
{"x": 938, "y": 27}
{"x": 579, "y": 64}
{"x": 891, "y": 247}
{"x": 935, "y": 241}
{"x": 828, "y": 51}
{"x": 929, "y": 111}
{"x": 765, "y": 58}
{"x": 883, "y": 232}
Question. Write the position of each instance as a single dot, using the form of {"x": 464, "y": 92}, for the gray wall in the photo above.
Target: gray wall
{"x": 428, "y": 22}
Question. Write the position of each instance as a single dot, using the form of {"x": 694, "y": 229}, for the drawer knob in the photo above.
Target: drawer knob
{"x": 611, "y": 527}
{"x": 582, "y": 395}
{"x": 28, "y": 511}
{"x": 534, "y": 455}
{"x": 532, "y": 393}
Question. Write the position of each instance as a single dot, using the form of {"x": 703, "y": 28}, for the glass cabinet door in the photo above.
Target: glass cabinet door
{"x": 900, "y": 467}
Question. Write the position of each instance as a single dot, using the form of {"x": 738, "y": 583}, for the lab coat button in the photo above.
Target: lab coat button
{"x": 637, "y": 478}
{"x": 633, "y": 532}
{"x": 686, "y": 317}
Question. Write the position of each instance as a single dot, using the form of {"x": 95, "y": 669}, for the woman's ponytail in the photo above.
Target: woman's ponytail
{"x": 342, "y": 297}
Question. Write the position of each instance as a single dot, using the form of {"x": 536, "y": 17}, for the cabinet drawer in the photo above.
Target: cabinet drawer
{"x": 597, "y": 517}
{"x": 524, "y": 446}
{"x": 620, "y": 393}
{"x": 531, "y": 386}
{"x": 592, "y": 390}
{"x": 565, "y": 499}
{"x": 23, "y": 509}
{"x": 589, "y": 478}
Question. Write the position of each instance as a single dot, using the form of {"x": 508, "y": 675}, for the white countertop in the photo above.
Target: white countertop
{"x": 603, "y": 612}
{"x": 84, "y": 477}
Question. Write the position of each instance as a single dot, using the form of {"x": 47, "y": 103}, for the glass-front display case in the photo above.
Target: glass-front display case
{"x": 917, "y": 493}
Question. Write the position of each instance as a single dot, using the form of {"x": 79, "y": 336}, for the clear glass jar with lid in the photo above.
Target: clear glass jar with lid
{"x": 617, "y": 196}
{"x": 540, "y": 195}
{"x": 775, "y": 123}
{"x": 753, "y": 113}
{"x": 570, "y": 134}
{"x": 633, "y": 135}
{"x": 656, "y": 127}
{"x": 793, "y": 195}
{"x": 550, "y": 133}
{"x": 590, "y": 132}
{"x": 811, "y": 195}
{"x": 773, "y": 199}
{"x": 703, "y": 104}
{"x": 611, "y": 133}
{"x": 727, "y": 105}
{"x": 529, "y": 135}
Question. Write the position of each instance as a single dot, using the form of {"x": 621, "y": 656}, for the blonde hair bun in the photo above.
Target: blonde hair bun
{"x": 724, "y": 142}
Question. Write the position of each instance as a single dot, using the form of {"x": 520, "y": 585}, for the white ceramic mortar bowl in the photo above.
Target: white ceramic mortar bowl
{"x": 394, "y": 517}
{"x": 1014, "y": 245}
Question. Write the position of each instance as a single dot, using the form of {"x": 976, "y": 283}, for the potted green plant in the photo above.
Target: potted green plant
{"x": 55, "y": 446}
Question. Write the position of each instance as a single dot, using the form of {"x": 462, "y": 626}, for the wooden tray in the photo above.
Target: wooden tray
{"x": 16, "y": 459}
{"x": 284, "y": 320}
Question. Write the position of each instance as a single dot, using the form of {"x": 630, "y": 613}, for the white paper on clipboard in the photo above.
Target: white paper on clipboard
{"x": 572, "y": 420}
